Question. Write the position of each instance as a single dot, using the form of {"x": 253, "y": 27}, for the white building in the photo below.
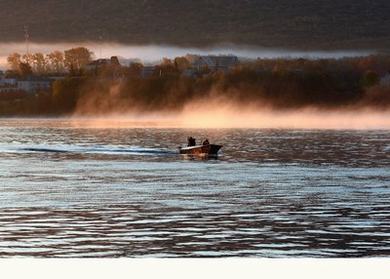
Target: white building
{"x": 212, "y": 62}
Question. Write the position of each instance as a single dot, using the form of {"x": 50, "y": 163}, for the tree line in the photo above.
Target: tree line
{"x": 279, "y": 84}
{"x": 56, "y": 62}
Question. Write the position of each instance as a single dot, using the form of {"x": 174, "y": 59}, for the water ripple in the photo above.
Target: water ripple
{"x": 71, "y": 192}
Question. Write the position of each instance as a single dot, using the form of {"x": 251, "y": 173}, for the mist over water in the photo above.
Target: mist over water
{"x": 154, "y": 53}
{"x": 227, "y": 118}
{"x": 236, "y": 117}
{"x": 107, "y": 108}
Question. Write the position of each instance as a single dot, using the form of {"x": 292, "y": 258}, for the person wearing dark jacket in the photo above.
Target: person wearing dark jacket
{"x": 191, "y": 141}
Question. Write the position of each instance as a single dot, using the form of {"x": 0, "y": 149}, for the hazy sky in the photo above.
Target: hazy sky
{"x": 152, "y": 53}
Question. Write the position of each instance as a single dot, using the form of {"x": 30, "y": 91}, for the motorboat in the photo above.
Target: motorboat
{"x": 201, "y": 150}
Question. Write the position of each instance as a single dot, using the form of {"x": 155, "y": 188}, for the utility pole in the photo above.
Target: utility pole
{"x": 100, "y": 44}
{"x": 27, "y": 40}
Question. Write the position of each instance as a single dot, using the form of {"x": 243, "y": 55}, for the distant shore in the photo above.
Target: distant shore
{"x": 73, "y": 83}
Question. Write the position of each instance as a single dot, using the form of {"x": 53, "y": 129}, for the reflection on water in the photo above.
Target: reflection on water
{"x": 128, "y": 231}
{"x": 71, "y": 192}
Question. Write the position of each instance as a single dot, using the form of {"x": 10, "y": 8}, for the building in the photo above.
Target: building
{"x": 30, "y": 85}
{"x": 7, "y": 84}
{"x": 148, "y": 71}
{"x": 99, "y": 64}
{"x": 212, "y": 62}
{"x": 34, "y": 84}
{"x": 8, "y": 89}
{"x": 6, "y": 81}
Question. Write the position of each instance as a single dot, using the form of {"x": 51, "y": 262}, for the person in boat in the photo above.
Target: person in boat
{"x": 191, "y": 141}
{"x": 206, "y": 142}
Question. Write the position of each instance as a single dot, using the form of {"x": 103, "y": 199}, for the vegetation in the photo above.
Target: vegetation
{"x": 299, "y": 24}
{"x": 53, "y": 63}
{"x": 280, "y": 84}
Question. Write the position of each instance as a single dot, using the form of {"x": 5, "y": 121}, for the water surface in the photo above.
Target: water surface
{"x": 75, "y": 192}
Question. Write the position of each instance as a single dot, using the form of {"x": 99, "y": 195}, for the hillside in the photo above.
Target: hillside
{"x": 304, "y": 24}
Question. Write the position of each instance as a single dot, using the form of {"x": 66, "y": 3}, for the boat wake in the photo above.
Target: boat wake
{"x": 131, "y": 150}
{"x": 43, "y": 150}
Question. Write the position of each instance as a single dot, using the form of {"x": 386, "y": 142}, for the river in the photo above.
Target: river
{"x": 73, "y": 191}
